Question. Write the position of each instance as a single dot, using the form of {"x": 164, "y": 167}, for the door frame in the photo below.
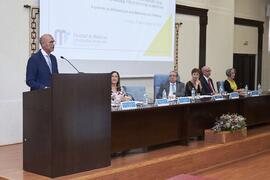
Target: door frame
{"x": 203, "y": 18}
{"x": 259, "y": 25}
{"x": 254, "y": 83}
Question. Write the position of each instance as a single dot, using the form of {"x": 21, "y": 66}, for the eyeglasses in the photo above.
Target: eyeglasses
{"x": 172, "y": 75}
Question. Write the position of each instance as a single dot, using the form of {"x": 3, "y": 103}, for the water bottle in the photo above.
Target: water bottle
{"x": 259, "y": 89}
{"x": 164, "y": 94}
{"x": 145, "y": 98}
{"x": 246, "y": 90}
{"x": 193, "y": 94}
{"x": 220, "y": 90}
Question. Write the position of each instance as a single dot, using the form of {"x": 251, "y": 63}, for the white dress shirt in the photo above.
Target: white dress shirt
{"x": 206, "y": 78}
{"x": 48, "y": 59}
{"x": 172, "y": 89}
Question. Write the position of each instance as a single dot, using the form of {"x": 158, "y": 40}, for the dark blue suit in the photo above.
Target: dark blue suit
{"x": 38, "y": 75}
{"x": 206, "y": 89}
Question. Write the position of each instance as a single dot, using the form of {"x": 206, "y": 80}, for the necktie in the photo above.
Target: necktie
{"x": 210, "y": 85}
{"x": 49, "y": 62}
{"x": 173, "y": 88}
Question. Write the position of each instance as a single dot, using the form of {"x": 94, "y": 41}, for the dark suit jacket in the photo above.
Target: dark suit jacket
{"x": 38, "y": 75}
{"x": 189, "y": 87}
{"x": 227, "y": 86}
{"x": 180, "y": 89}
{"x": 206, "y": 89}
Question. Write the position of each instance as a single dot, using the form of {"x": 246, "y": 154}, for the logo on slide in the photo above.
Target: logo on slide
{"x": 61, "y": 36}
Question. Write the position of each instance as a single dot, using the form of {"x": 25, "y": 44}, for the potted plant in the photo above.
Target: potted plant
{"x": 228, "y": 127}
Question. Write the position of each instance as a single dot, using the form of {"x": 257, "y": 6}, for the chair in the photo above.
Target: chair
{"x": 158, "y": 80}
{"x": 136, "y": 92}
{"x": 220, "y": 84}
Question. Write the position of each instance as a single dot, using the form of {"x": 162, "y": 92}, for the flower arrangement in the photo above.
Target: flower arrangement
{"x": 229, "y": 122}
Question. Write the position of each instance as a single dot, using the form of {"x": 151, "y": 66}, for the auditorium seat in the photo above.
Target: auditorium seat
{"x": 137, "y": 92}
{"x": 158, "y": 80}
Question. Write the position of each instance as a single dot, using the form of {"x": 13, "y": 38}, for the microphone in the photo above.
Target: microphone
{"x": 62, "y": 57}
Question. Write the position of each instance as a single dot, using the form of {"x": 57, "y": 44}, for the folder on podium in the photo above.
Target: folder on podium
{"x": 67, "y": 128}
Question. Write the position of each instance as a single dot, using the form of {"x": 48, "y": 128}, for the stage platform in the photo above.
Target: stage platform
{"x": 160, "y": 163}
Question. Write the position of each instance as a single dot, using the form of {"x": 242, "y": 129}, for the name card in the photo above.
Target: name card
{"x": 183, "y": 100}
{"x": 254, "y": 93}
{"x": 234, "y": 95}
{"x": 218, "y": 97}
{"x": 128, "y": 105}
{"x": 161, "y": 102}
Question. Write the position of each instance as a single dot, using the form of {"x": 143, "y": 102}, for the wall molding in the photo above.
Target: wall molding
{"x": 260, "y": 26}
{"x": 225, "y": 13}
{"x": 145, "y": 76}
{"x": 248, "y": 16}
{"x": 218, "y": 9}
{"x": 206, "y": 6}
{"x": 203, "y": 19}
{"x": 34, "y": 17}
{"x": 192, "y": 3}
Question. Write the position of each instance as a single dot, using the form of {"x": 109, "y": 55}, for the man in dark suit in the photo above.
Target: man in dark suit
{"x": 42, "y": 65}
{"x": 207, "y": 83}
{"x": 172, "y": 87}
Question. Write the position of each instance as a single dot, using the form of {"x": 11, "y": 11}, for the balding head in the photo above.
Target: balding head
{"x": 206, "y": 71}
{"x": 47, "y": 43}
{"x": 173, "y": 76}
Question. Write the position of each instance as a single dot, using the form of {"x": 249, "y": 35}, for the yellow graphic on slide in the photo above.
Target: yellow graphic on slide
{"x": 162, "y": 44}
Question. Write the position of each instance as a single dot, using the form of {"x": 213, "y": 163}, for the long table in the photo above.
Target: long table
{"x": 151, "y": 126}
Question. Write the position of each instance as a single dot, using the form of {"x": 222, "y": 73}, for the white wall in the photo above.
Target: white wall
{"x": 189, "y": 38}
{"x": 219, "y": 54}
{"x": 14, "y": 51}
{"x": 245, "y": 39}
{"x": 219, "y": 40}
{"x": 250, "y": 9}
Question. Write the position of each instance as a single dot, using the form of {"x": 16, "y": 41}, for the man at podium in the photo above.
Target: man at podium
{"x": 42, "y": 65}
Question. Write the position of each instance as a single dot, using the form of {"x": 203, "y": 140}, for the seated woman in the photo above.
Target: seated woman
{"x": 229, "y": 84}
{"x": 117, "y": 93}
{"x": 194, "y": 82}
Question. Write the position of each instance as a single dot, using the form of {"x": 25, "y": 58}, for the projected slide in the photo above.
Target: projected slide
{"x": 122, "y": 30}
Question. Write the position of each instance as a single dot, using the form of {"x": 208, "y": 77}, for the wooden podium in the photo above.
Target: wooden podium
{"x": 67, "y": 128}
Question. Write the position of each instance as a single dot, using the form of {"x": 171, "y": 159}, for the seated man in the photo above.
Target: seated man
{"x": 172, "y": 86}
{"x": 206, "y": 82}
